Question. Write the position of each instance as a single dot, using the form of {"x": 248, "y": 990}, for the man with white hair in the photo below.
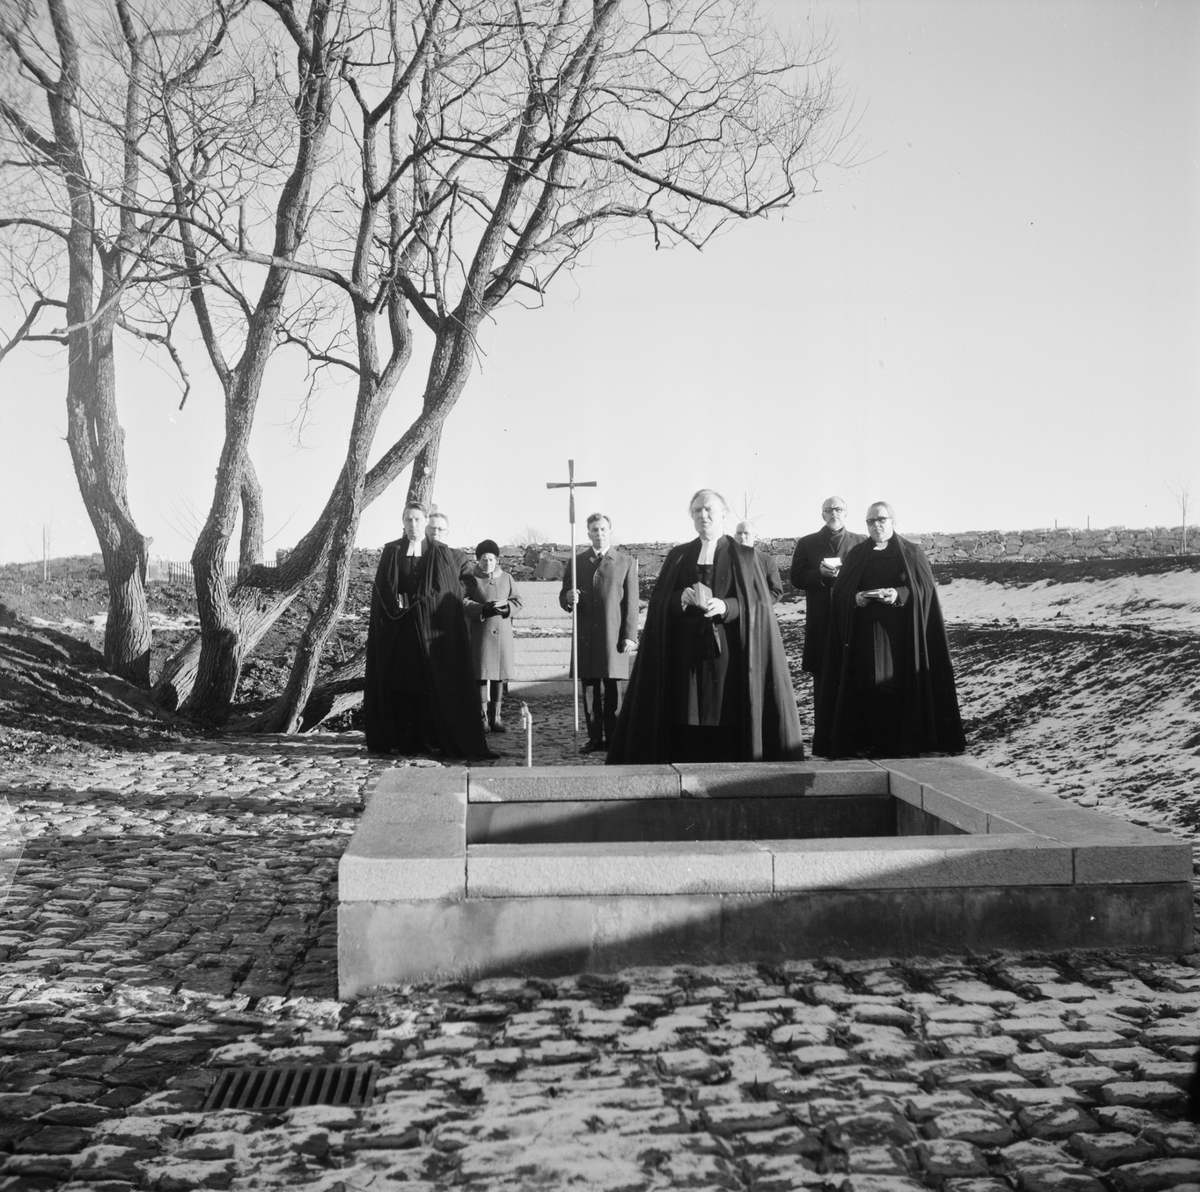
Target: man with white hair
{"x": 744, "y": 534}
{"x": 711, "y": 680}
{"x": 888, "y": 683}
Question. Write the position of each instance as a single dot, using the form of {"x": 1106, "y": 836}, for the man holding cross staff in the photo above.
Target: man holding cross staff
{"x": 601, "y": 593}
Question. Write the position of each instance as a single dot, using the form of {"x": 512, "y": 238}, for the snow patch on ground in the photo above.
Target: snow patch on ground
{"x": 1169, "y": 602}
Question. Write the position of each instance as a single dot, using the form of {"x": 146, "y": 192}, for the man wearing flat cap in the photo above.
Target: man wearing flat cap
{"x": 491, "y": 601}
{"x": 606, "y": 619}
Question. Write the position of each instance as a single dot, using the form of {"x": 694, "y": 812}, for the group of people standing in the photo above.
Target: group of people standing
{"x": 710, "y": 679}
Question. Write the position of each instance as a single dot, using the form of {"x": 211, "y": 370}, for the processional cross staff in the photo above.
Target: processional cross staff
{"x": 573, "y": 484}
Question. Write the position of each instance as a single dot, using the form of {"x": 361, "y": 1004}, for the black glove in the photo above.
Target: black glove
{"x": 490, "y": 610}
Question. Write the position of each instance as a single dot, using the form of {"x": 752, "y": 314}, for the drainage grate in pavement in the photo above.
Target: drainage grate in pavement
{"x": 285, "y": 1087}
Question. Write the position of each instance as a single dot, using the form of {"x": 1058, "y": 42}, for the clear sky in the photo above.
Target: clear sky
{"x": 990, "y": 320}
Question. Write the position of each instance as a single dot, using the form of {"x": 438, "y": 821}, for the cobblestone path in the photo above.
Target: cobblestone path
{"x": 175, "y": 912}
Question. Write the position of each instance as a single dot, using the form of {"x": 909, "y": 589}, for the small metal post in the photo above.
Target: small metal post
{"x": 527, "y": 725}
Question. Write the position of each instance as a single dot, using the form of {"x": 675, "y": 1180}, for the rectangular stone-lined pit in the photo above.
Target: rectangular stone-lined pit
{"x": 964, "y": 858}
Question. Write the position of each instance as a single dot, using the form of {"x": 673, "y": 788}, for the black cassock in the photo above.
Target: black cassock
{"x": 887, "y": 685}
{"x": 421, "y": 691}
{"x": 727, "y": 678}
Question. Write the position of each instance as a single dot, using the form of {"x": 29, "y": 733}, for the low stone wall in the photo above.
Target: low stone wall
{"x": 981, "y": 546}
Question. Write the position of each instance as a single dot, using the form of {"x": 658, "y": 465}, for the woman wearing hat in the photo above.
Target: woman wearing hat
{"x": 491, "y": 600}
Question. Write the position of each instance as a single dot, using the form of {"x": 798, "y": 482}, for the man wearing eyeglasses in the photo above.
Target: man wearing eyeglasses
{"x": 815, "y": 565}
{"x": 888, "y": 683}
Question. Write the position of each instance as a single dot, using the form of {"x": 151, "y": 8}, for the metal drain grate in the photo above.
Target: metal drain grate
{"x": 285, "y": 1087}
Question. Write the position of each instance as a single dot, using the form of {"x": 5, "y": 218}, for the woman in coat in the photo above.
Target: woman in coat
{"x": 491, "y": 601}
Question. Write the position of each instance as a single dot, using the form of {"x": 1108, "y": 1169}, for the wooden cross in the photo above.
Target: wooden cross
{"x": 573, "y": 484}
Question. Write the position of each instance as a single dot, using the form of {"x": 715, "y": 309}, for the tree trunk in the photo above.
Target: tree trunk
{"x": 287, "y": 713}
{"x": 424, "y": 471}
{"x": 340, "y": 692}
{"x": 94, "y": 432}
{"x": 250, "y": 549}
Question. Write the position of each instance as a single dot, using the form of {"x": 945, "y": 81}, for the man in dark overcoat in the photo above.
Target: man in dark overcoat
{"x": 814, "y": 575}
{"x": 745, "y": 535}
{"x": 607, "y": 622}
{"x": 420, "y": 693}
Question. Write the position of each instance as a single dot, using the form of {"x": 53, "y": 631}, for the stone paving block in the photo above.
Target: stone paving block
{"x": 692, "y": 1063}
{"x": 785, "y": 1140}
{"x": 779, "y": 1173}
{"x": 1076, "y": 1043}
{"x": 1086, "y": 1077}
{"x": 951, "y": 1157}
{"x": 1015, "y": 1099}
{"x": 1171, "y": 1032}
{"x": 550, "y": 784}
{"x": 1059, "y": 1179}
{"x": 880, "y": 1183}
{"x": 1028, "y": 1028}
{"x": 1154, "y": 1175}
{"x": 1056, "y": 1121}
{"x": 662, "y": 867}
{"x": 877, "y": 1160}
{"x": 1128, "y": 1118}
{"x": 1122, "y": 1057}
{"x": 1178, "y": 1072}
{"x": 869, "y": 1129}
{"x": 1105, "y": 1150}
{"x": 979, "y": 1126}
{"x": 1032, "y": 1153}
{"x": 991, "y": 1047}
{"x": 1142, "y": 1093}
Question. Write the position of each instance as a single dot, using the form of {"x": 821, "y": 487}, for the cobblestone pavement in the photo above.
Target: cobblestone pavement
{"x": 175, "y": 912}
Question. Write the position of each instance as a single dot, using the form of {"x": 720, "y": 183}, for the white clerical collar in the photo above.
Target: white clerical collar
{"x": 708, "y": 552}
{"x": 415, "y": 549}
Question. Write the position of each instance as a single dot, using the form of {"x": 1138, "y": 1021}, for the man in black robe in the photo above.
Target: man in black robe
{"x": 888, "y": 684}
{"x": 420, "y": 695}
{"x": 744, "y": 534}
{"x": 710, "y": 681}
{"x": 813, "y": 573}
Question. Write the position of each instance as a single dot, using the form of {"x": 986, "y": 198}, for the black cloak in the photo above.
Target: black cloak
{"x": 770, "y": 726}
{"x": 440, "y": 646}
{"x": 931, "y": 722}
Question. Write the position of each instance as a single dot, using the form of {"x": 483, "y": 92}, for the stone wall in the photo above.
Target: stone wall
{"x": 980, "y": 546}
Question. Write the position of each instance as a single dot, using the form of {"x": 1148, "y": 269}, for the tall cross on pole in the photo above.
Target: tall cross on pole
{"x": 573, "y": 484}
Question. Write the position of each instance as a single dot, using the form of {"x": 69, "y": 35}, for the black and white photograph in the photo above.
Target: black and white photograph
{"x": 599, "y": 594}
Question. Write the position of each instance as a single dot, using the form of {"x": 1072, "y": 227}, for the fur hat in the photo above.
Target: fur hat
{"x": 487, "y": 547}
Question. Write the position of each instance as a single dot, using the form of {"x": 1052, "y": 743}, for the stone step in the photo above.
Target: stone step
{"x": 539, "y": 602}
{"x": 528, "y": 672}
{"x": 550, "y": 647}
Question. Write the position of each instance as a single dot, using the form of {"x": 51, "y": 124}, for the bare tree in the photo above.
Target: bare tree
{"x": 1182, "y": 494}
{"x": 73, "y": 115}
{"x": 493, "y": 141}
{"x": 341, "y": 166}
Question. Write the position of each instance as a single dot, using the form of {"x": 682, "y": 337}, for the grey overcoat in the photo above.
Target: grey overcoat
{"x": 608, "y": 611}
{"x": 491, "y": 637}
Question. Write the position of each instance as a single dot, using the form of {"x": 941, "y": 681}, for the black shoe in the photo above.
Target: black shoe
{"x": 593, "y": 747}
